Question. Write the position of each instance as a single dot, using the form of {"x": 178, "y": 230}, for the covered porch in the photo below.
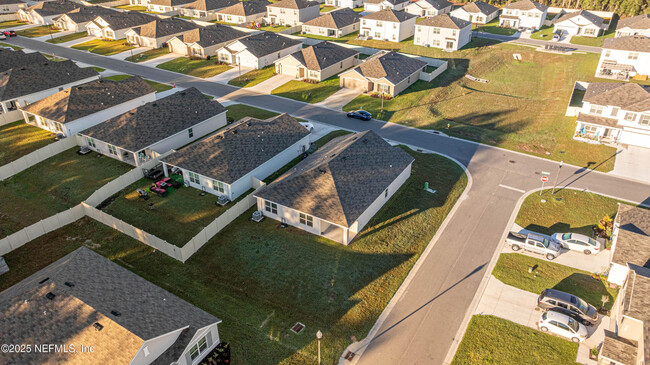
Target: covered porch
{"x": 509, "y": 21}
{"x": 136, "y": 158}
{"x": 596, "y": 130}
{"x": 40, "y": 122}
{"x": 615, "y": 70}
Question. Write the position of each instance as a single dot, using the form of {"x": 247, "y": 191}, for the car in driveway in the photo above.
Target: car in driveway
{"x": 562, "y": 325}
{"x": 2, "y": 36}
{"x": 577, "y": 242}
{"x": 9, "y": 33}
{"x": 551, "y": 298}
{"x": 533, "y": 242}
{"x": 360, "y": 114}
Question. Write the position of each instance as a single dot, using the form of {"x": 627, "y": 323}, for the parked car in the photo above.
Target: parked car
{"x": 533, "y": 242}
{"x": 3, "y": 36}
{"x": 577, "y": 242}
{"x": 9, "y": 33}
{"x": 562, "y": 325}
{"x": 360, "y": 114}
{"x": 551, "y": 298}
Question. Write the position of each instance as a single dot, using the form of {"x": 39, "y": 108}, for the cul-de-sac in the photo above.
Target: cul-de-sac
{"x": 325, "y": 182}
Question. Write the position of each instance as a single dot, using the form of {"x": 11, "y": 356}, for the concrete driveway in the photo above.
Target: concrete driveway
{"x": 226, "y": 76}
{"x": 274, "y": 82}
{"x": 339, "y": 99}
{"x": 632, "y": 162}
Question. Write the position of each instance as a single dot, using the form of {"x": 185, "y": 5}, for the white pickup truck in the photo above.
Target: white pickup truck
{"x": 534, "y": 243}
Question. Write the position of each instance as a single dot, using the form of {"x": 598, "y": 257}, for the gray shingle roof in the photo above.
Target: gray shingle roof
{"x": 640, "y": 22}
{"x": 591, "y": 17}
{"x": 633, "y": 241}
{"x": 526, "y": 5}
{"x": 10, "y": 58}
{"x": 89, "y": 98}
{"x": 627, "y": 96}
{"x": 207, "y": 5}
{"x": 393, "y": 2}
{"x": 294, "y": 4}
{"x": 87, "y": 13}
{"x": 341, "y": 179}
{"x": 435, "y": 4}
{"x": 636, "y": 43}
{"x": 393, "y": 66}
{"x": 39, "y": 76}
{"x": 246, "y": 8}
{"x": 322, "y": 55}
{"x": 231, "y": 154}
{"x": 445, "y": 21}
{"x": 11, "y": 2}
{"x": 390, "y": 15}
{"x": 165, "y": 27}
{"x": 212, "y": 36}
{"x": 99, "y": 287}
{"x": 619, "y": 349}
{"x": 126, "y": 19}
{"x": 262, "y": 44}
{"x": 169, "y": 2}
{"x": 153, "y": 122}
{"x": 597, "y": 119}
{"x": 55, "y": 7}
{"x": 335, "y": 19}
{"x": 637, "y": 294}
{"x": 634, "y": 219}
{"x": 480, "y": 7}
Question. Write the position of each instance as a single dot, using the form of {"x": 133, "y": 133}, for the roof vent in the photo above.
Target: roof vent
{"x": 44, "y": 280}
{"x": 98, "y": 326}
{"x": 154, "y": 104}
{"x": 116, "y": 313}
{"x": 50, "y": 296}
{"x": 69, "y": 284}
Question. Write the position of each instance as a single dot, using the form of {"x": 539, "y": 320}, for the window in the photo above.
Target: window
{"x": 110, "y": 34}
{"x": 194, "y": 178}
{"x": 59, "y": 127}
{"x": 312, "y": 74}
{"x": 91, "y": 142}
{"x": 379, "y": 24}
{"x": 417, "y": 40}
{"x": 270, "y": 207}
{"x": 394, "y": 25}
{"x": 436, "y": 42}
{"x": 590, "y": 31}
{"x": 394, "y": 37}
{"x": 596, "y": 109}
{"x": 419, "y": 29}
{"x": 306, "y": 220}
{"x": 645, "y": 119}
{"x": 436, "y": 30}
{"x": 633, "y": 55}
{"x": 562, "y": 305}
{"x": 454, "y": 33}
{"x": 630, "y": 117}
{"x": 190, "y": 132}
{"x": 198, "y": 349}
{"x": 364, "y": 22}
{"x": 615, "y": 111}
{"x": 590, "y": 128}
{"x": 112, "y": 150}
{"x": 218, "y": 186}
{"x": 383, "y": 88}
{"x": 607, "y": 53}
{"x": 377, "y": 35}
{"x": 281, "y": 11}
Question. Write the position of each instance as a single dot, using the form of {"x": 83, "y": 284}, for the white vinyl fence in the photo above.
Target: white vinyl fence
{"x": 37, "y": 156}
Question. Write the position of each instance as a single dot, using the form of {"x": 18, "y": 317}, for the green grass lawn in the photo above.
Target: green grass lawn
{"x": 11, "y": 23}
{"x": 493, "y": 340}
{"x": 512, "y": 269}
{"x": 239, "y": 111}
{"x": 104, "y": 47}
{"x": 156, "y": 85}
{"x": 132, "y": 7}
{"x": 197, "y": 68}
{"x": 326, "y": 9}
{"x": 261, "y": 279}
{"x": 15, "y": 48}
{"x": 253, "y": 77}
{"x": 544, "y": 34}
{"x": 38, "y": 31}
{"x": 310, "y": 93}
{"x": 494, "y": 28}
{"x": 19, "y": 138}
{"x": 54, "y": 185}
{"x": 359, "y": 9}
{"x": 273, "y": 28}
{"x": 344, "y": 39}
{"x": 67, "y": 38}
{"x": 593, "y": 41}
{"x": 148, "y": 55}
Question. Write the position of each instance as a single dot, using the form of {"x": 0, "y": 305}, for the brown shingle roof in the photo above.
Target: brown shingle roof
{"x": 640, "y": 22}
{"x": 636, "y": 43}
{"x": 336, "y": 19}
{"x": 212, "y": 36}
{"x": 340, "y": 180}
{"x": 165, "y": 27}
{"x": 627, "y": 96}
{"x": 619, "y": 349}
{"x": 206, "y": 5}
{"x": 246, "y": 8}
{"x": 436, "y": 4}
{"x": 126, "y": 19}
{"x": 526, "y": 5}
{"x": 10, "y": 58}
{"x": 294, "y": 4}
{"x": 389, "y": 15}
{"x": 591, "y": 17}
{"x": 392, "y": 66}
{"x": 480, "y": 7}
{"x": 597, "y": 120}
{"x": 89, "y": 98}
{"x": 445, "y": 21}
{"x": 637, "y": 294}
{"x": 232, "y": 154}
{"x": 55, "y": 7}
{"x": 322, "y": 55}
{"x": 633, "y": 219}
{"x": 633, "y": 237}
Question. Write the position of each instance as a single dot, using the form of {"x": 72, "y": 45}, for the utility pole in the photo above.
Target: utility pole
{"x": 557, "y": 176}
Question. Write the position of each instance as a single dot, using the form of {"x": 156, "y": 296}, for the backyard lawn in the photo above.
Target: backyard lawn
{"x": 494, "y": 28}
{"x": 273, "y": 28}
{"x": 197, "y": 68}
{"x": 310, "y": 93}
{"x": 11, "y": 23}
{"x": 344, "y": 39}
{"x": 253, "y": 77}
{"x": 492, "y": 340}
{"x": 238, "y": 111}
{"x": 38, "y": 31}
{"x": 593, "y": 41}
{"x": 148, "y": 55}
{"x": 104, "y": 47}
{"x": 156, "y": 85}
{"x": 68, "y": 38}
{"x": 326, "y": 9}
{"x": 54, "y": 185}
{"x": 512, "y": 269}
{"x": 132, "y": 7}
{"x": 19, "y": 138}
{"x": 544, "y": 34}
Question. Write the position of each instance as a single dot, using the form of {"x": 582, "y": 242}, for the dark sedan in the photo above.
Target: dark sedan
{"x": 9, "y": 33}
{"x": 360, "y": 114}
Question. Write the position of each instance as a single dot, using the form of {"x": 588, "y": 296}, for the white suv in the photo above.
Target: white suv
{"x": 562, "y": 325}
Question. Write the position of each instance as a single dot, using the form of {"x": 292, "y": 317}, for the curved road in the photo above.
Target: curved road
{"x": 421, "y": 326}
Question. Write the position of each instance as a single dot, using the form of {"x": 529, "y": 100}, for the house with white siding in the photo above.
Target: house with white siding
{"x": 157, "y": 32}
{"x": 478, "y": 12}
{"x": 318, "y": 62}
{"x": 10, "y": 8}
{"x": 114, "y": 26}
{"x": 429, "y": 8}
{"x": 443, "y": 31}
{"x": 83, "y": 106}
{"x": 44, "y": 12}
{"x": 226, "y": 163}
{"x": 624, "y": 57}
{"x": 580, "y": 23}
{"x": 205, "y": 9}
{"x": 372, "y": 6}
{"x": 166, "y": 6}
{"x": 204, "y": 42}
{"x": 335, "y": 23}
{"x": 523, "y": 14}
{"x": 258, "y": 50}
{"x": 335, "y": 191}
{"x": 120, "y": 318}
{"x": 388, "y": 25}
{"x": 243, "y": 12}
{"x": 635, "y": 25}
{"x": 157, "y": 127}
{"x": 77, "y": 20}
{"x": 344, "y": 3}
{"x": 292, "y": 12}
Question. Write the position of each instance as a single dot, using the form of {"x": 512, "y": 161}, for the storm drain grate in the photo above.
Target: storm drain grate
{"x": 297, "y": 328}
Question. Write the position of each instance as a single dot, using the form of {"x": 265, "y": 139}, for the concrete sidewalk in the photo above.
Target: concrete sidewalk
{"x": 160, "y": 59}
{"x": 339, "y": 99}
{"x": 125, "y": 54}
{"x": 269, "y": 85}
{"x": 77, "y": 41}
{"x": 228, "y": 75}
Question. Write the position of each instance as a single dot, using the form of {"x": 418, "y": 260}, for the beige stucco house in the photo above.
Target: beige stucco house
{"x": 318, "y": 62}
{"x": 166, "y": 6}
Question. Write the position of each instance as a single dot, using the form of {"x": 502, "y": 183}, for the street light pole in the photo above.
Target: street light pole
{"x": 557, "y": 176}
{"x": 319, "y": 335}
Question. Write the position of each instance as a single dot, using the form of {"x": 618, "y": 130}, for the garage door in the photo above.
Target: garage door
{"x": 95, "y": 32}
{"x": 288, "y": 70}
{"x": 248, "y": 61}
{"x": 355, "y": 84}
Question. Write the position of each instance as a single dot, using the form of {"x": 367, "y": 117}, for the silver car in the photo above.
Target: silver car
{"x": 577, "y": 242}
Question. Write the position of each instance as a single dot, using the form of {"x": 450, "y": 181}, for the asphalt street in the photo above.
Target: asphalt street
{"x": 421, "y": 327}
{"x": 535, "y": 42}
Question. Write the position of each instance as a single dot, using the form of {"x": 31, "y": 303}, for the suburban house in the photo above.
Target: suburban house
{"x": 292, "y": 12}
{"x": 625, "y": 57}
{"x": 158, "y": 31}
{"x": 443, "y": 31}
{"x": 615, "y": 113}
{"x": 10, "y": 58}
{"x": 9, "y": 8}
{"x": 243, "y": 11}
{"x": 166, "y": 6}
{"x": 630, "y": 269}
{"x": 335, "y": 23}
{"x": 82, "y": 106}
{"x": 335, "y": 191}
{"x": 85, "y": 299}
{"x": 157, "y": 127}
{"x": 523, "y": 14}
{"x": 115, "y": 26}
{"x": 22, "y": 85}
{"x": 478, "y": 12}
{"x": 377, "y": 5}
{"x": 318, "y": 62}
{"x": 78, "y": 19}
{"x": 344, "y": 3}
{"x": 429, "y": 7}
{"x": 204, "y": 41}
{"x": 636, "y": 25}
{"x": 388, "y": 25}
{"x": 44, "y": 12}
{"x": 387, "y": 73}
{"x": 226, "y": 163}
{"x": 206, "y": 9}
{"x": 581, "y": 23}
{"x": 258, "y": 50}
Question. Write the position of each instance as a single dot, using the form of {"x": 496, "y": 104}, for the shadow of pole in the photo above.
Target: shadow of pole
{"x": 586, "y": 171}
